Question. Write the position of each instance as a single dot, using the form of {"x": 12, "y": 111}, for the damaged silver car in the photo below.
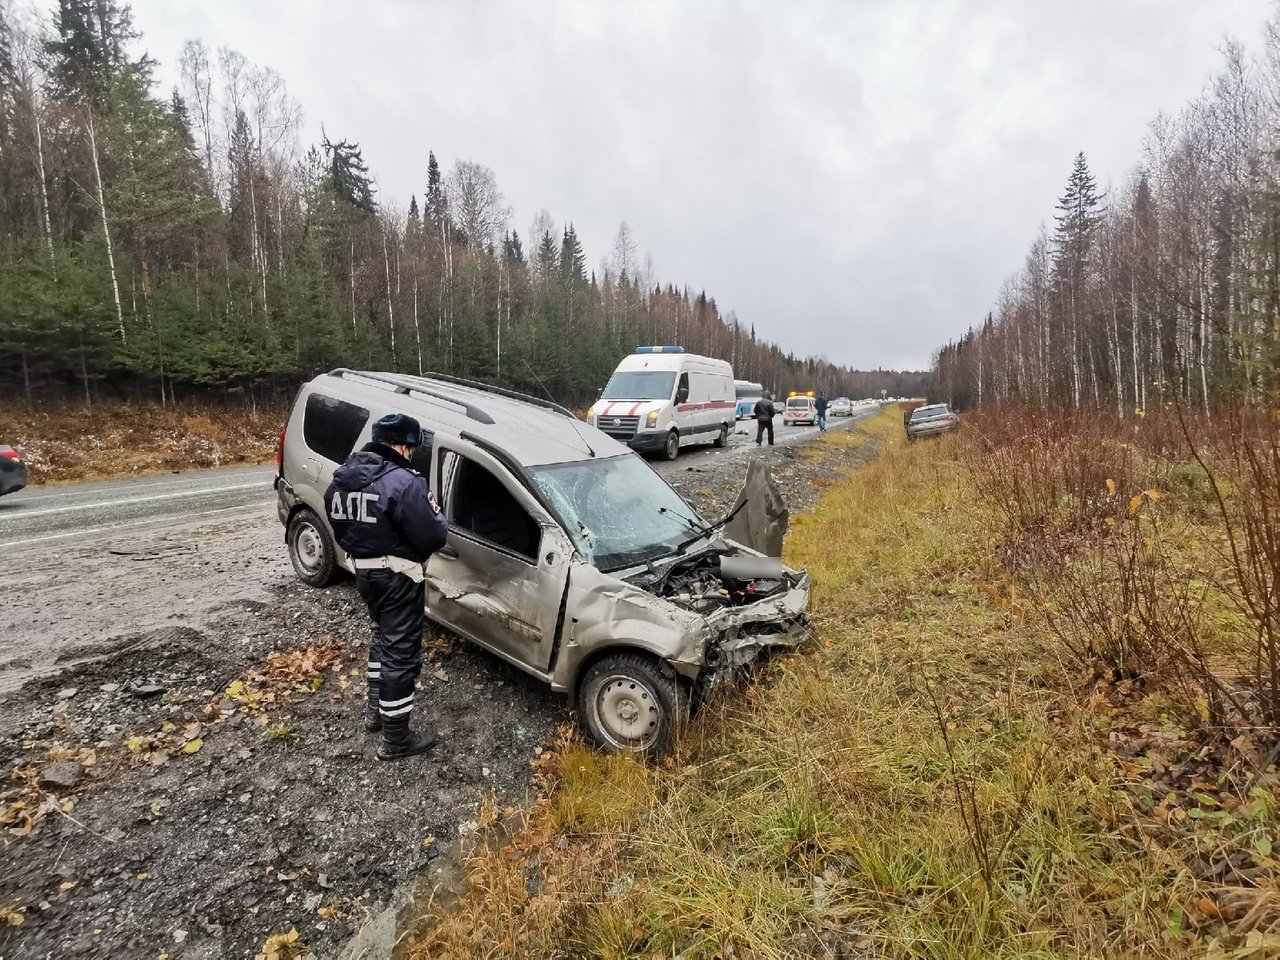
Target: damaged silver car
{"x": 567, "y": 555}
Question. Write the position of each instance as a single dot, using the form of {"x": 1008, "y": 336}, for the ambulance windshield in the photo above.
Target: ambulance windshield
{"x": 640, "y": 385}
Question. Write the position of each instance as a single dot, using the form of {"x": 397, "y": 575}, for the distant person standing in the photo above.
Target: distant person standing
{"x": 764, "y": 413}
{"x": 385, "y": 518}
{"x": 821, "y": 406}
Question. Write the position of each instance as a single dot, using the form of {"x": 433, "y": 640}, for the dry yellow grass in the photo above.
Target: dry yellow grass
{"x": 923, "y": 781}
{"x": 119, "y": 439}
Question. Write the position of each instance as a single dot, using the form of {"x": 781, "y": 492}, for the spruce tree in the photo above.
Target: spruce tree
{"x": 88, "y": 49}
{"x": 348, "y": 175}
{"x": 573, "y": 262}
{"x": 434, "y": 205}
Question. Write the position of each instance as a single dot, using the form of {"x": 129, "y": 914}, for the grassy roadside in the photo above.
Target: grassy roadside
{"x": 933, "y": 778}
{"x": 112, "y": 440}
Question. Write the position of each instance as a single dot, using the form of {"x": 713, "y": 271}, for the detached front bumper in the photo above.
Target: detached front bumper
{"x": 744, "y": 633}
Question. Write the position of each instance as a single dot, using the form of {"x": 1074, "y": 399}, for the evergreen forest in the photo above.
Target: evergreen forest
{"x": 161, "y": 244}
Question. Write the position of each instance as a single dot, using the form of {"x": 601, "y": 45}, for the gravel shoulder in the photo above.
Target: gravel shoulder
{"x": 191, "y": 776}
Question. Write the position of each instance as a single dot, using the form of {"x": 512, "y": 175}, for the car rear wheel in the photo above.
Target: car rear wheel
{"x": 671, "y": 449}
{"x": 311, "y": 549}
{"x": 722, "y": 438}
{"x": 627, "y": 704}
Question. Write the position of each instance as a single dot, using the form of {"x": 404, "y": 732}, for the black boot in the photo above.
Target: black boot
{"x": 398, "y": 741}
{"x": 372, "y": 718}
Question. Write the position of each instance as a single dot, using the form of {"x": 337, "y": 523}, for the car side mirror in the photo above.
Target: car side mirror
{"x": 682, "y": 395}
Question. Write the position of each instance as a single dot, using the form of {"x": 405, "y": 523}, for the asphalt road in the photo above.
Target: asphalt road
{"x": 46, "y": 515}
{"x": 42, "y": 517}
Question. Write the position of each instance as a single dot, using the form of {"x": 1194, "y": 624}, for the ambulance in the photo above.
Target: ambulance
{"x": 661, "y": 398}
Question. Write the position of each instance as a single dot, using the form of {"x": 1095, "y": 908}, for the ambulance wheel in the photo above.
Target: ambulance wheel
{"x": 671, "y": 449}
{"x": 311, "y": 549}
{"x": 722, "y": 438}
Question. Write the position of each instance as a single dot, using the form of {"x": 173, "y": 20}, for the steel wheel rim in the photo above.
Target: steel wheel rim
{"x": 628, "y": 711}
{"x": 673, "y": 444}
{"x": 308, "y": 548}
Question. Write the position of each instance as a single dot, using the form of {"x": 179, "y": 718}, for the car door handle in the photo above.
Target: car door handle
{"x": 448, "y": 553}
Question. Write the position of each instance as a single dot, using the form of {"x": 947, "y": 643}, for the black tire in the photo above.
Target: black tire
{"x": 627, "y": 703}
{"x": 311, "y": 549}
{"x": 671, "y": 449}
{"x": 722, "y": 438}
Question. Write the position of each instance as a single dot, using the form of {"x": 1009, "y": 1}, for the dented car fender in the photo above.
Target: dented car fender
{"x": 606, "y": 614}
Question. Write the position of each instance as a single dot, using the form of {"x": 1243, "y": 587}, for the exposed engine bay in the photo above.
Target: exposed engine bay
{"x": 750, "y": 602}
{"x": 717, "y": 577}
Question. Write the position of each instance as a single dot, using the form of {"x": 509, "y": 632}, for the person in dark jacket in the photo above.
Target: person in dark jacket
{"x": 386, "y": 519}
{"x": 764, "y": 413}
{"x": 821, "y": 406}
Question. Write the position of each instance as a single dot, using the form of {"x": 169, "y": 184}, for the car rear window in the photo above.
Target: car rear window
{"x": 331, "y": 427}
{"x": 924, "y": 413}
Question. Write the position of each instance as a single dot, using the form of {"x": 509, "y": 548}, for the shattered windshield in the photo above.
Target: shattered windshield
{"x": 639, "y": 385}
{"x": 619, "y": 511}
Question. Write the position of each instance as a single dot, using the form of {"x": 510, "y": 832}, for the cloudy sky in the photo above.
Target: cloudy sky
{"x": 856, "y": 179}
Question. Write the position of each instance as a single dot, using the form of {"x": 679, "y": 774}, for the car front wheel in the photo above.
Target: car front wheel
{"x": 627, "y": 704}
{"x": 311, "y": 549}
{"x": 671, "y": 449}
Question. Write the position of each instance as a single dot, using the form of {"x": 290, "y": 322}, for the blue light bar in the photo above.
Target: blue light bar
{"x": 659, "y": 349}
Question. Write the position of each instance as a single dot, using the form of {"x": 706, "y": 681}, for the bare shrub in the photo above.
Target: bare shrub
{"x": 1243, "y": 475}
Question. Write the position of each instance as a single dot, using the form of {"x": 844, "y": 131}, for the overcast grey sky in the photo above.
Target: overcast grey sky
{"x": 855, "y": 179}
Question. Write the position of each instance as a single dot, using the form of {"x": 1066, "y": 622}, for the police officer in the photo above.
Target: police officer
{"x": 764, "y": 413}
{"x": 385, "y": 517}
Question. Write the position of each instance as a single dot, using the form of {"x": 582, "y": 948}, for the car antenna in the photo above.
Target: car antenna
{"x": 572, "y": 419}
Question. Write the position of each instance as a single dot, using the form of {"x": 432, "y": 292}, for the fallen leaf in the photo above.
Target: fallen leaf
{"x": 193, "y": 746}
{"x": 66, "y": 885}
{"x": 441, "y": 676}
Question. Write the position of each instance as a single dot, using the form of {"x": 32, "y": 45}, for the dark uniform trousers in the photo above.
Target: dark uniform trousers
{"x": 396, "y": 607}
{"x": 761, "y": 427}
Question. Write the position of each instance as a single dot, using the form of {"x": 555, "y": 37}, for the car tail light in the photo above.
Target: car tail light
{"x": 280, "y": 455}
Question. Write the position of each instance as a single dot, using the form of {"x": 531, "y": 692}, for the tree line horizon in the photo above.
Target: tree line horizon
{"x": 157, "y": 246}
{"x": 1164, "y": 290}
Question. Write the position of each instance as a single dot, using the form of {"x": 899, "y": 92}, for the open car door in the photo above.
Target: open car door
{"x": 500, "y": 579}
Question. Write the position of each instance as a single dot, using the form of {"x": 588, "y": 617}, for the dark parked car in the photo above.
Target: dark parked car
{"x": 931, "y": 420}
{"x": 13, "y": 472}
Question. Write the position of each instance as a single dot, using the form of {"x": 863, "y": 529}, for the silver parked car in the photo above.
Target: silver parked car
{"x": 567, "y": 554}
{"x": 929, "y": 421}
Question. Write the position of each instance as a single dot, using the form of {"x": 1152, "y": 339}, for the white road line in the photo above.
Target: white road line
{"x": 117, "y": 503}
{"x": 111, "y": 526}
{"x": 38, "y": 494}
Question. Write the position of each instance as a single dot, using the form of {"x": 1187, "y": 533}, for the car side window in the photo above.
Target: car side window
{"x": 476, "y": 501}
{"x": 682, "y": 386}
{"x": 331, "y": 427}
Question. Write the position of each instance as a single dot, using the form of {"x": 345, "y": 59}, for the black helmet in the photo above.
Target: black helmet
{"x": 397, "y": 428}
{"x": 767, "y": 395}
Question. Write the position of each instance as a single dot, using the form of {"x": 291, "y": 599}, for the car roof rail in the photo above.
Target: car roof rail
{"x": 502, "y": 392}
{"x": 405, "y": 385}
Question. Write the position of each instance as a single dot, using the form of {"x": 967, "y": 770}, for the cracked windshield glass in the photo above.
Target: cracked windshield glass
{"x": 618, "y": 510}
